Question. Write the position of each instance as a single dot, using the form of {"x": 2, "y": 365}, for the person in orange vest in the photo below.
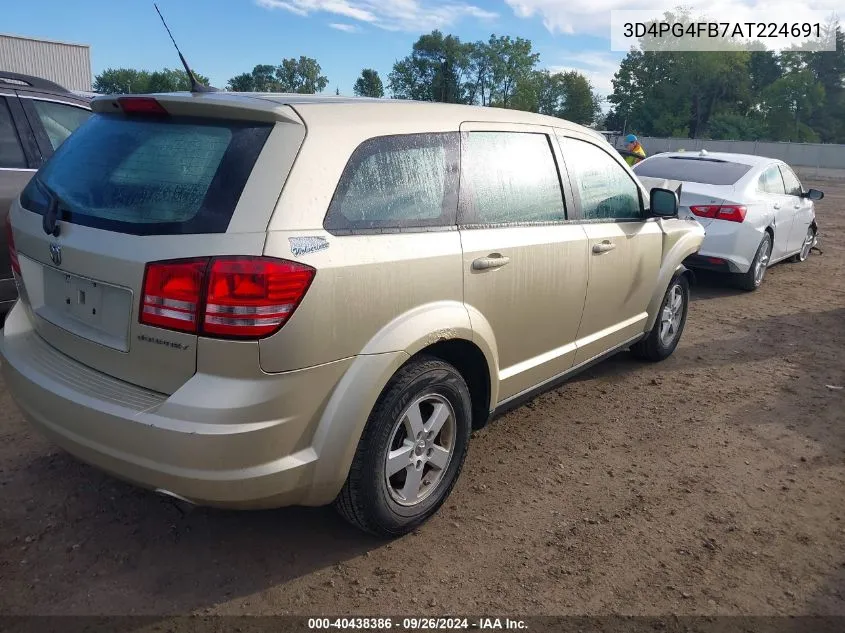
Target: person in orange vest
{"x": 635, "y": 152}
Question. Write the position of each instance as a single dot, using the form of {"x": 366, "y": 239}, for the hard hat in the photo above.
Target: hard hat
{"x": 631, "y": 138}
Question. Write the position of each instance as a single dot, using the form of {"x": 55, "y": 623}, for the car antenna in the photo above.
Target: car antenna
{"x": 195, "y": 85}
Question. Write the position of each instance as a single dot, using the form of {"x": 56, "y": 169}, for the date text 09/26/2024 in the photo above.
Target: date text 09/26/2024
{"x": 417, "y": 624}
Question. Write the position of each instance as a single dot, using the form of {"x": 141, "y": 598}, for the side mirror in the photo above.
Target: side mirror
{"x": 663, "y": 203}
{"x": 813, "y": 194}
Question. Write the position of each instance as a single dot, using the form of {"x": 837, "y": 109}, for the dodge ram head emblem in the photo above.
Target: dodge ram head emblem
{"x": 56, "y": 253}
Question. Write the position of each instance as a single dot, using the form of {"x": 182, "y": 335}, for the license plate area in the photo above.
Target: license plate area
{"x": 84, "y": 300}
{"x": 91, "y": 309}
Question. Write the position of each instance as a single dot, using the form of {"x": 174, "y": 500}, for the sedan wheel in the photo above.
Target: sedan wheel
{"x": 807, "y": 246}
{"x": 752, "y": 279}
{"x": 762, "y": 262}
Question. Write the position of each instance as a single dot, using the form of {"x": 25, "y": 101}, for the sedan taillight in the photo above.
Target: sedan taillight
{"x": 729, "y": 212}
{"x": 224, "y": 297}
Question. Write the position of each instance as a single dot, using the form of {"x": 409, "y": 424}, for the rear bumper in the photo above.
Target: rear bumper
{"x": 706, "y": 262}
{"x": 262, "y": 456}
{"x": 732, "y": 242}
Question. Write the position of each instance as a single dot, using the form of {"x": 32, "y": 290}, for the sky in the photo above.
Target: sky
{"x": 223, "y": 38}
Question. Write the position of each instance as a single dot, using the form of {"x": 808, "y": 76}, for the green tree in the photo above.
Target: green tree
{"x": 511, "y": 61}
{"x": 789, "y": 103}
{"x": 134, "y": 81}
{"x": 121, "y": 81}
{"x": 480, "y": 79}
{"x": 437, "y": 69}
{"x": 566, "y": 95}
{"x": 244, "y": 82}
{"x": 301, "y": 75}
{"x": 581, "y": 103}
{"x": 764, "y": 69}
{"x": 369, "y": 84}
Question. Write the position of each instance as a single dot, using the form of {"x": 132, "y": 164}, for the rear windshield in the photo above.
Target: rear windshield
{"x": 707, "y": 171}
{"x": 149, "y": 176}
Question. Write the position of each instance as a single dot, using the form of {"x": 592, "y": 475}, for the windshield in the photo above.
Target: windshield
{"x": 149, "y": 176}
{"x": 708, "y": 171}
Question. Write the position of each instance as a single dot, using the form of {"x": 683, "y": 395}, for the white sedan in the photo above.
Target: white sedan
{"x": 754, "y": 210}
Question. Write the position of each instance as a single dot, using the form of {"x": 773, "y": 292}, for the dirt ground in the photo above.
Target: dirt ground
{"x": 713, "y": 483}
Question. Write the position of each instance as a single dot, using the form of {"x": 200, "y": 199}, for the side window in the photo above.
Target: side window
{"x": 59, "y": 120}
{"x": 11, "y": 152}
{"x": 770, "y": 181}
{"x": 791, "y": 182}
{"x": 509, "y": 177}
{"x": 606, "y": 190}
{"x": 396, "y": 182}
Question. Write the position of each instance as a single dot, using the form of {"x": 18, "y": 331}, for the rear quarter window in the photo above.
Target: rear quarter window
{"x": 150, "y": 176}
{"x": 392, "y": 183}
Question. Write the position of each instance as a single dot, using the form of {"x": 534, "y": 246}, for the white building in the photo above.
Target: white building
{"x": 68, "y": 65}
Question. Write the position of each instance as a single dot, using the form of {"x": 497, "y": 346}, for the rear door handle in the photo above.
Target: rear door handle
{"x": 603, "y": 247}
{"x": 491, "y": 261}
{"x": 776, "y": 205}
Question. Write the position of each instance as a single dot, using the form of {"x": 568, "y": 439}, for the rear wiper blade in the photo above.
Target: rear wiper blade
{"x": 50, "y": 221}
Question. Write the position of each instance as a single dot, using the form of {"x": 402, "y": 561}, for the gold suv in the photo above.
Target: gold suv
{"x": 263, "y": 300}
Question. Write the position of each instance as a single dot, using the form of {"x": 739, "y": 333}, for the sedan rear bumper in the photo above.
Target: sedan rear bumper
{"x": 706, "y": 262}
{"x": 734, "y": 243}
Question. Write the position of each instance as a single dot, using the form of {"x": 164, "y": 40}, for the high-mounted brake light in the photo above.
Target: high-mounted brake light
{"x": 729, "y": 212}
{"x": 13, "y": 252}
{"x": 141, "y": 105}
{"x": 226, "y": 297}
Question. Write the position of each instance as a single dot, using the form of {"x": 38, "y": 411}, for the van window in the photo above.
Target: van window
{"x": 149, "y": 176}
{"x": 11, "y": 152}
{"x": 509, "y": 177}
{"x": 397, "y": 182}
{"x": 59, "y": 119}
{"x": 605, "y": 189}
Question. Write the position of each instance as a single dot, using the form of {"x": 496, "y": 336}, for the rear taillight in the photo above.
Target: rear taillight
{"x": 729, "y": 212}
{"x": 227, "y": 297}
{"x": 13, "y": 252}
{"x": 141, "y": 105}
{"x": 172, "y": 294}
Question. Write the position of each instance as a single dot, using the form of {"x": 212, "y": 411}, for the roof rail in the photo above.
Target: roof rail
{"x": 28, "y": 81}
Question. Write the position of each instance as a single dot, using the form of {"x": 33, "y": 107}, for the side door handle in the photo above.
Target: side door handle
{"x": 603, "y": 247}
{"x": 493, "y": 260}
{"x": 776, "y": 205}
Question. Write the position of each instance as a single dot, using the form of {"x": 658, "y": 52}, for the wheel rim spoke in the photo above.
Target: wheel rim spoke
{"x": 439, "y": 457}
{"x": 413, "y": 481}
{"x": 398, "y": 459}
{"x": 438, "y": 417}
{"x": 413, "y": 421}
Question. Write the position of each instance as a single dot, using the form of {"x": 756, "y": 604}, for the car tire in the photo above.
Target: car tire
{"x": 664, "y": 336}
{"x": 378, "y": 496}
{"x": 807, "y": 246}
{"x": 753, "y": 278}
